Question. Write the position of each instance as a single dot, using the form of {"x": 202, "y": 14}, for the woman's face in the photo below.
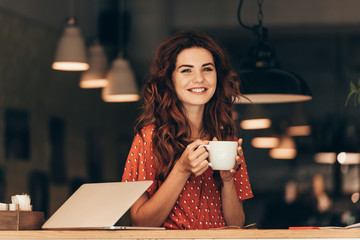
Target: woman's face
{"x": 194, "y": 76}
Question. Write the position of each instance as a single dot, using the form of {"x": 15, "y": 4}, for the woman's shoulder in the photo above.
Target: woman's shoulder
{"x": 146, "y": 132}
{"x": 149, "y": 129}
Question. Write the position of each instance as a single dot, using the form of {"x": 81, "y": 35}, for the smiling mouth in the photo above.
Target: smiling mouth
{"x": 197, "y": 90}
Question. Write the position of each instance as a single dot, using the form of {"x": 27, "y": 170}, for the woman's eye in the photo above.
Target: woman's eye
{"x": 185, "y": 70}
{"x": 208, "y": 69}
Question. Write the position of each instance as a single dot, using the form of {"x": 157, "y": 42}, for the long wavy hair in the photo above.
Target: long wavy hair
{"x": 162, "y": 108}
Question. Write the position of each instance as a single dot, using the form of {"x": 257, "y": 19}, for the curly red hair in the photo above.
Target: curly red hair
{"x": 162, "y": 108}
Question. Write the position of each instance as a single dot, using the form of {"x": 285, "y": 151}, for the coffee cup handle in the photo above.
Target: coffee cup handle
{"x": 207, "y": 146}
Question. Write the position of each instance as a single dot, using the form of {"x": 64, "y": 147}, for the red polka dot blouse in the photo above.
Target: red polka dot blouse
{"x": 199, "y": 204}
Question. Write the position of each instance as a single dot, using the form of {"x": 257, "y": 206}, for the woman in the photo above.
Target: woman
{"x": 187, "y": 102}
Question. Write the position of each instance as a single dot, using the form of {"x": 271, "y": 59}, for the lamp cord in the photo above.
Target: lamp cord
{"x": 239, "y": 16}
{"x": 123, "y": 32}
{"x": 260, "y": 15}
{"x": 71, "y": 8}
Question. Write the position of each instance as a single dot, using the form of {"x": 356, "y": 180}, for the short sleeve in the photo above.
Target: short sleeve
{"x": 242, "y": 182}
{"x": 140, "y": 163}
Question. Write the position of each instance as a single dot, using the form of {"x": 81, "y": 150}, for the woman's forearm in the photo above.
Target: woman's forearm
{"x": 154, "y": 211}
{"x": 232, "y": 207}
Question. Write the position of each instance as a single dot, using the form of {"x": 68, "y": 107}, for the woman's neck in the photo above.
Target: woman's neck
{"x": 195, "y": 117}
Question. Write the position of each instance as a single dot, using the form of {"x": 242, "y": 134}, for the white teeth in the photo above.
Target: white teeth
{"x": 197, "y": 90}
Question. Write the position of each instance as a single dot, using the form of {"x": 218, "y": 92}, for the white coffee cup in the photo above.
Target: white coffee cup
{"x": 222, "y": 154}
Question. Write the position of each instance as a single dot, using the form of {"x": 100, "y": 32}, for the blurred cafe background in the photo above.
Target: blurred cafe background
{"x": 61, "y": 128}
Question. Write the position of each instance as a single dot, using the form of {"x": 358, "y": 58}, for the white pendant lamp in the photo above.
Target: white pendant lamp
{"x": 252, "y": 124}
{"x": 285, "y": 150}
{"x": 71, "y": 53}
{"x": 267, "y": 138}
{"x": 303, "y": 130}
{"x": 256, "y": 117}
{"x": 265, "y": 142}
{"x": 95, "y": 77}
{"x": 348, "y": 158}
{"x": 299, "y": 125}
{"x": 325, "y": 157}
{"x": 121, "y": 85}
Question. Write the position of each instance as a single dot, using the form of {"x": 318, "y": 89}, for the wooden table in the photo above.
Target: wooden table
{"x": 185, "y": 234}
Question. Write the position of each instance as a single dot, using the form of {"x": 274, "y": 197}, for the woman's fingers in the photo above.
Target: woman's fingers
{"x": 239, "y": 148}
{"x": 201, "y": 168}
{"x": 195, "y": 145}
{"x": 197, "y": 157}
{"x": 227, "y": 175}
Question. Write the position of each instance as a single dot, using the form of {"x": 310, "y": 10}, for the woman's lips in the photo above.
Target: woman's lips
{"x": 197, "y": 90}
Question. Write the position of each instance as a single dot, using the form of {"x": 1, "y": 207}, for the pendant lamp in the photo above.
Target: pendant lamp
{"x": 265, "y": 142}
{"x": 325, "y": 141}
{"x": 285, "y": 150}
{"x": 121, "y": 85}
{"x": 262, "y": 79}
{"x": 71, "y": 53}
{"x": 299, "y": 125}
{"x": 325, "y": 157}
{"x": 95, "y": 77}
{"x": 348, "y": 158}
{"x": 267, "y": 138}
{"x": 255, "y": 117}
{"x": 337, "y": 140}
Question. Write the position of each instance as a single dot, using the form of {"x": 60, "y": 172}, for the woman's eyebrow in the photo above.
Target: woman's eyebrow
{"x": 190, "y": 66}
{"x": 185, "y": 65}
{"x": 206, "y": 64}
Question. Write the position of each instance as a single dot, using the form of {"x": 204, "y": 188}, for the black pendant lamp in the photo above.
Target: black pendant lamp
{"x": 262, "y": 79}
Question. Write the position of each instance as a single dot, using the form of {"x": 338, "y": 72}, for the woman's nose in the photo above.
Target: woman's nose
{"x": 199, "y": 77}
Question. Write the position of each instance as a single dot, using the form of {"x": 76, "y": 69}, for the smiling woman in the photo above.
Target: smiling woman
{"x": 194, "y": 78}
{"x": 187, "y": 102}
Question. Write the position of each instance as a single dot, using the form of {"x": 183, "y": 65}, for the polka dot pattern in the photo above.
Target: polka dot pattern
{"x": 199, "y": 204}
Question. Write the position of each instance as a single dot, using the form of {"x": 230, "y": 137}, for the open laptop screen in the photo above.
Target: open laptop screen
{"x": 97, "y": 206}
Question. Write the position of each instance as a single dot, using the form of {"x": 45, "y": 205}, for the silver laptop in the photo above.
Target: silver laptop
{"x": 98, "y": 206}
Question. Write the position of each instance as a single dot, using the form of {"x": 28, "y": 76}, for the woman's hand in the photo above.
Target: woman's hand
{"x": 153, "y": 211}
{"x": 227, "y": 175}
{"x": 194, "y": 159}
